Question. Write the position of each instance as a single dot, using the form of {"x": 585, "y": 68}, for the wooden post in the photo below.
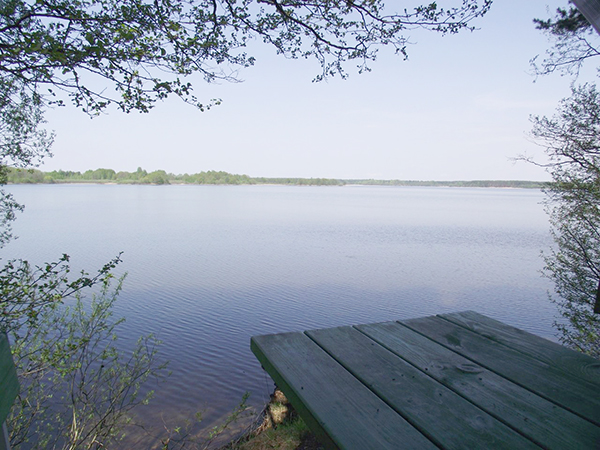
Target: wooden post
{"x": 591, "y": 11}
{"x": 4, "y": 441}
{"x": 10, "y": 387}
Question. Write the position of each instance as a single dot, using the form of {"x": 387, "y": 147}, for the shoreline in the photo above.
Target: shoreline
{"x": 212, "y": 177}
{"x": 483, "y": 184}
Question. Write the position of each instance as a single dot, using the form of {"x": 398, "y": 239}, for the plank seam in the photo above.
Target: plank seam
{"x": 424, "y": 433}
{"x": 499, "y": 419}
{"x": 501, "y": 375}
{"x": 533, "y": 356}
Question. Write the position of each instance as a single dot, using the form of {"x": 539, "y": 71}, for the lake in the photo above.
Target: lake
{"x": 210, "y": 266}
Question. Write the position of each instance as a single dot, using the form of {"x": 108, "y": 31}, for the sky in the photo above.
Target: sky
{"x": 458, "y": 109}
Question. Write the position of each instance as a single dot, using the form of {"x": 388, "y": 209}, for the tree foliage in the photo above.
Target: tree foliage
{"x": 26, "y": 291}
{"x": 574, "y": 41}
{"x": 77, "y": 388}
{"x": 572, "y": 142}
{"x": 144, "y": 50}
{"x": 23, "y": 143}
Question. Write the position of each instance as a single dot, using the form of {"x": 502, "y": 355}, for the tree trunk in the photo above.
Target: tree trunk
{"x": 597, "y": 305}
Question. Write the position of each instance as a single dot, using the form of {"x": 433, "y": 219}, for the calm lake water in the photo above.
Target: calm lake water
{"x": 210, "y": 266}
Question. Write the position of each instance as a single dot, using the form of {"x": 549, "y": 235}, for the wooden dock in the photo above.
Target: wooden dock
{"x": 453, "y": 381}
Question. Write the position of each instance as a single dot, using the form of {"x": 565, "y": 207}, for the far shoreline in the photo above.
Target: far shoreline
{"x": 221, "y": 178}
{"x": 534, "y": 185}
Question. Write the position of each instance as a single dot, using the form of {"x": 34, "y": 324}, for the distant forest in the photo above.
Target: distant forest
{"x": 140, "y": 176}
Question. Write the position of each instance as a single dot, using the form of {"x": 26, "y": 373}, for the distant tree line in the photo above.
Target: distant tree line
{"x": 300, "y": 181}
{"x": 472, "y": 183}
{"x": 141, "y": 176}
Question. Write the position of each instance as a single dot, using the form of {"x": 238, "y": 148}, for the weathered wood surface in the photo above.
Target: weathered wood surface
{"x": 454, "y": 381}
{"x": 9, "y": 385}
{"x": 429, "y": 406}
{"x": 339, "y": 408}
{"x": 536, "y": 418}
{"x": 572, "y": 393}
{"x": 547, "y": 351}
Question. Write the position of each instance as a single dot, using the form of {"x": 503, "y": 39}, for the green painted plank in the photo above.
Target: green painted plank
{"x": 563, "y": 358}
{"x": 545, "y": 423}
{"x": 8, "y": 378}
{"x": 335, "y": 405}
{"x": 446, "y": 418}
{"x": 572, "y": 393}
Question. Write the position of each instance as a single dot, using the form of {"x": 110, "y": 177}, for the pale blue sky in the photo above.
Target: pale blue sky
{"x": 458, "y": 109}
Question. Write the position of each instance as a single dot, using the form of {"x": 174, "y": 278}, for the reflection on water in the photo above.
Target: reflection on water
{"x": 210, "y": 266}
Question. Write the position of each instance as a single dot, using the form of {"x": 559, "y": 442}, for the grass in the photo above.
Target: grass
{"x": 280, "y": 428}
{"x": 286, "y": 436}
